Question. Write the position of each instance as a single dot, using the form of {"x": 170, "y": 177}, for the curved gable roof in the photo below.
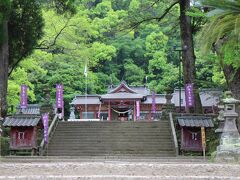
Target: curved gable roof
{"x": 122, "y": 87}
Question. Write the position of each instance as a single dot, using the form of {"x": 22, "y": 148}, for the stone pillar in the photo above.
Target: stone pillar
{"x": 229, "y": 148}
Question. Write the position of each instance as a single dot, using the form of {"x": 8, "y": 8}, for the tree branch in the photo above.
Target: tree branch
{"x": 40, "y": 46}
{"x": 10, "y": 70}
{"x": 133, "y": 26}
{"x": 54, "y": 40}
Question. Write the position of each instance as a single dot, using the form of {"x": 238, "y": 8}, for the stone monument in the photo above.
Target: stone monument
{"x": 229, "y": 148}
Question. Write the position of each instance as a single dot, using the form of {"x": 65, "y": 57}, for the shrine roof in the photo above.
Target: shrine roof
{"x": 89, "y": 99}
{"x": 132, "y": 89}
{"x": 120, "y": 88}
{"x": 141, "y": 90}
{"x": 122, "y": 95}
{"x": 159, "y": 99}
{"x": 33, "y": 109}
{"x": 22, "y": 120}
{"x": 195, "y": 121}
{"x": 209, "y": 97}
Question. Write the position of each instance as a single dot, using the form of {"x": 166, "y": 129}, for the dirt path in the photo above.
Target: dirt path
{"x": 118, "y": 170}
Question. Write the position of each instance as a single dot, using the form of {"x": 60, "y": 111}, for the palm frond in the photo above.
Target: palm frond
{"x": 224, "y": 21}
{"x": 231, "y": 5}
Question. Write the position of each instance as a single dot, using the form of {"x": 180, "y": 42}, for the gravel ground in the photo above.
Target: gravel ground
{"x": 117, "y": 169}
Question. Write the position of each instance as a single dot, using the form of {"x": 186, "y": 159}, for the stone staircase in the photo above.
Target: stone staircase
{"x": 112, "y": 139}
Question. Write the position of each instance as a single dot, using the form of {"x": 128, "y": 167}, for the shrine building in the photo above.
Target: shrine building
{"x": 123, "y": 102}
{"x": 132, "y": 103}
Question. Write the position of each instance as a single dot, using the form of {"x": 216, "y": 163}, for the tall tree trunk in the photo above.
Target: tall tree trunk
{"x": 4, "y": 55}
{"x": 232, "y": 76}
{"x": 188, "y": 57}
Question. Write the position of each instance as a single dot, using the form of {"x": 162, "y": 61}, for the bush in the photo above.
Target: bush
{"x": 5, "y": 146}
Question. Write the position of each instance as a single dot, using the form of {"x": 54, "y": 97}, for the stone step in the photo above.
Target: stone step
{"x": 115, "y": 135}
{"x": 111, "y": 148}
{"x": 114, "y": 125}
{"x": 102, "y": 124}
{"x": 158, "y": 154}
{"x": 112, "y": 151}
{"x": 104, "y": 143}
{"x": 118, "y": 158}
{"x": 115, "y": 138}
{"x": 144, "y": 131}
{"x": 112, "y": 134}
{"x": 114, "y": 122}
{"x": 93, "y": 142}
{"x": 127, "y": 145}
{"x": 115, "y": 129}
{"x": 132, "y": 145}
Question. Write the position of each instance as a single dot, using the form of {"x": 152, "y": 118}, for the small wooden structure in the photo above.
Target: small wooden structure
{"x": 191, "y": 139}
{"x": 24, "y": 127}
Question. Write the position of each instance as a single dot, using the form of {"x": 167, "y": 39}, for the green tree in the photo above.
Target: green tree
{"x": 162, "y": 74}
{"x": 134, "y": 75}
{"x": 160, "y": 11}
{"x": 21, "y": 25}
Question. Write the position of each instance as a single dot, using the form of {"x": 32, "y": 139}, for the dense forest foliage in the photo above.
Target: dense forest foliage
{"x": 116, "y": 40}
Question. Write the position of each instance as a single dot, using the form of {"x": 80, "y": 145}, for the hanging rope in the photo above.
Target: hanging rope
{"x": 121, "y": 112}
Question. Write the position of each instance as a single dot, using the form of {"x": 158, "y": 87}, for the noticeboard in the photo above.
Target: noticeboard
{"x": 203, "y": 135}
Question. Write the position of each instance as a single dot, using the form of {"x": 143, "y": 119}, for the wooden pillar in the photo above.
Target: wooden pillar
{"x": 109, "y": 111}
{"x": 99, "y": 111}
{"x": 139, "y": 110}
{"x": 182, "y": 138}
{"x": 134, "y": 110}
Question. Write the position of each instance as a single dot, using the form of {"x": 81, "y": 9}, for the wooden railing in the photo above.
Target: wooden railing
{"x": 174, "y": 133}
{"x": 51, "y": 129}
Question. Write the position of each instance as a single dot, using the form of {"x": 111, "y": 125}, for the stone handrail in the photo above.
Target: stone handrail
{"x": 50, "y": 131}
{"x": 174, "y": 133}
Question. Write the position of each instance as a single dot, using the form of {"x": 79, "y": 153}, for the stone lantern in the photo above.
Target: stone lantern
{"x": 72, "y": 114}
{"x": 168, "y": 106}
{"x": 220, "y": 120}
{"x": 229, "y": 148}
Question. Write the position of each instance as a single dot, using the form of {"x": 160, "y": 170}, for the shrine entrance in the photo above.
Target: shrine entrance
{"x": 122, "y": 114}
{"x": 121, "y": 103}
